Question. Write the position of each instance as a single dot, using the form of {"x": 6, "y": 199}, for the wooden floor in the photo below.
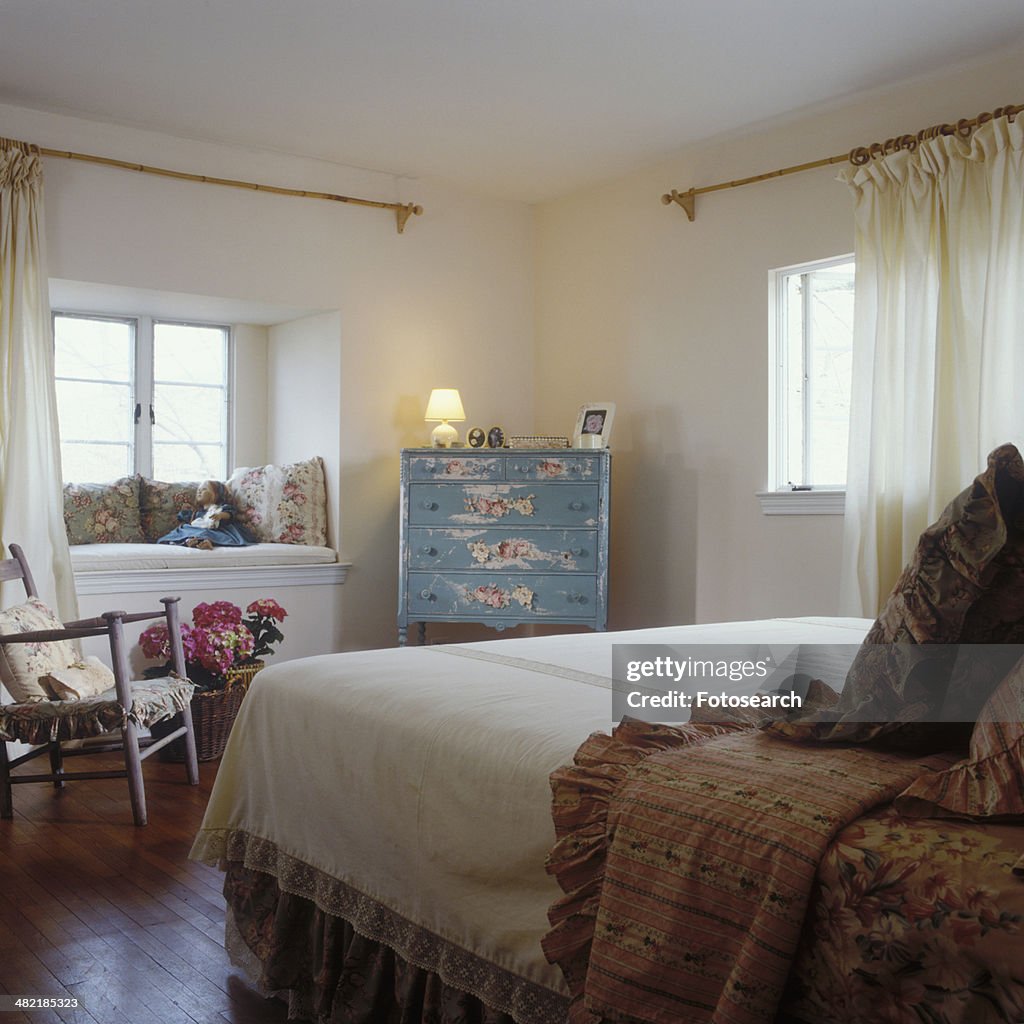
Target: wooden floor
{"x": 117, "y": 916}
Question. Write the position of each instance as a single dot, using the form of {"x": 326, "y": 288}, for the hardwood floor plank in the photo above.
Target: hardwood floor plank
{"x": 114, "y": 915}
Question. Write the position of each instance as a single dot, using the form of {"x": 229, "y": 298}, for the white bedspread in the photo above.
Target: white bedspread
{"x": 419, "y": 776}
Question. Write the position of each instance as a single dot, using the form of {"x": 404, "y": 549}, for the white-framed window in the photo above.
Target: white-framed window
{"x": 142, "y": 395}
{"x": 811, "y": 374}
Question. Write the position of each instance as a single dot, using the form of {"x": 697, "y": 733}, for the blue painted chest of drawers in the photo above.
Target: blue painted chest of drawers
{"x": 503, "y": 537}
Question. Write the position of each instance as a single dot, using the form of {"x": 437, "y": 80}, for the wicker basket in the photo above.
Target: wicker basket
{"x": 213, "y": 714}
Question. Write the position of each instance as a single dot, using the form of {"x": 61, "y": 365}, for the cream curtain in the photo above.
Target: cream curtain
{"x": 938, "y": 373}
{"x": 31, "y": 505}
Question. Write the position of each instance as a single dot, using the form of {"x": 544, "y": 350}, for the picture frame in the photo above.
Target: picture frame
{"x": 496, "y": 437}
{"x": 476, "y": 438}
{"x": 594, "y": 425}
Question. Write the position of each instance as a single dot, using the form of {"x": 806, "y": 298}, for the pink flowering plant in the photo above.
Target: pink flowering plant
{"x": 218, "y": 638}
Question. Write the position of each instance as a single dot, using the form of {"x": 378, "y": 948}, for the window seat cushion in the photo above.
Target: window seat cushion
{"x": 87, "y": 558}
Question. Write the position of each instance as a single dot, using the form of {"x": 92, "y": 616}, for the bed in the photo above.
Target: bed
{"x": 384, "y": 820}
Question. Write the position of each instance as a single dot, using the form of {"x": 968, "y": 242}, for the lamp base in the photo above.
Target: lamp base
{"x": 444, "y": 435}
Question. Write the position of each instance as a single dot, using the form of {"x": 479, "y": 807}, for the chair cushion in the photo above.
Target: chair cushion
{"x": 282, "y": 504}
{"x": 21, "y": 665}
{"x": 84, "y": 679}
{"x": 153, "y": 700}
{"x": 103, "y": 513}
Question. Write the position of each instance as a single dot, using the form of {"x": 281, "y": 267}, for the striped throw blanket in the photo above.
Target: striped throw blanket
{"x": 688, "y": 857}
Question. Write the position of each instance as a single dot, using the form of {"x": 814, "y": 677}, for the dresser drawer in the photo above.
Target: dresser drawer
{"x": 551, "y": 467}
{"x": 452, "y": 467}
{"x": 503, "y": 504}
{"x": 507, "y": 596}
{"x": 505, "y": 550}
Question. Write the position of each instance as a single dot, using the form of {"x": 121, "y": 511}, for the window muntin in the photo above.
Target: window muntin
{"x": 141, "y": 395}
{"x": 813, "y": 359}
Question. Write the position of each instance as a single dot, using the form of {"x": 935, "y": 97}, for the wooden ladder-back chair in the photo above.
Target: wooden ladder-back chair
{"x": 46, "y": 724}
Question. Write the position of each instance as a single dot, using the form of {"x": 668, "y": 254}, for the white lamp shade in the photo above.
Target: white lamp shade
{"x": 445, "y": 404}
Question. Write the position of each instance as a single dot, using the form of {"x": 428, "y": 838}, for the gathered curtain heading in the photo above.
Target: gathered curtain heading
{"x": 20, "y": 164}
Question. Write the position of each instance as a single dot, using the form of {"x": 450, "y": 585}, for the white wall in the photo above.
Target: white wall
{"x": 449, "y": 303}
{"x": 249, "y": 413}
{"x": 670, "y": 319}
{"x": 304, "y": 362}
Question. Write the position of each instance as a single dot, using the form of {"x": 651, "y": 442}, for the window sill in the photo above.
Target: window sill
{"x": 802, "y": 503}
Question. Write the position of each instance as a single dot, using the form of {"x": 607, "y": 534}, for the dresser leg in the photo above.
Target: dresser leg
{"x": 423, "y": 634}
{"x": 402, "y": 633}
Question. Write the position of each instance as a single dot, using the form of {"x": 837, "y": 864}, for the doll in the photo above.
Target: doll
{"x": 210, "y": 524}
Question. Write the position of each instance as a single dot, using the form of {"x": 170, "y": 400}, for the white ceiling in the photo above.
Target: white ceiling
{"x": 527, "y": 99}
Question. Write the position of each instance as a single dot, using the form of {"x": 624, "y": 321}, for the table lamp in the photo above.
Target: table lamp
{"x": 444, "y": 405}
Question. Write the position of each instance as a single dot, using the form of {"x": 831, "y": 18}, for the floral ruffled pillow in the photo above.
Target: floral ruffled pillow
{"x": 23, "y": 665}
{"x": 160, "y": 503}
{"x": 282, "y": 504}
{"x": 103, "y": 513}
{"x": 990, "y": 782}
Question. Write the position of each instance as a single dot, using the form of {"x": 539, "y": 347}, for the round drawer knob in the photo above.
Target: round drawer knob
{"x": 521, "y": 468}
{"x": 430, "y": 506}
{"x": 428, "y": 550}
{"x": 577, "y": 469}
{"x": 426, "y": 595}
{"x": 576, "y": 506}
{"x": 576, "y": 551}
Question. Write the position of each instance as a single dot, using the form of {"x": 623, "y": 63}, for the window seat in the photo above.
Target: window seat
{"x": 135, "y": 568}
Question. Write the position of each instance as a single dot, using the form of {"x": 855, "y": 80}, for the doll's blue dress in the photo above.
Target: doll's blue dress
{"x": 225, "y": 535}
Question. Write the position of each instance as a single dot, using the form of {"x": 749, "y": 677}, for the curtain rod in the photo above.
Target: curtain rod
{"x": 858, "y": 156}
{"x": 403, "y": 211}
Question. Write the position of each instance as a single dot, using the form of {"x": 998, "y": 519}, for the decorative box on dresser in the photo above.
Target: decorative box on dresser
{"x": 503, "y": 536}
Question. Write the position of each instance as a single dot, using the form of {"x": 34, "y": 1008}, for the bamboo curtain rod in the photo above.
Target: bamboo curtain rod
{"x": 858, "y": 157}
{"x": 403, "y": 211}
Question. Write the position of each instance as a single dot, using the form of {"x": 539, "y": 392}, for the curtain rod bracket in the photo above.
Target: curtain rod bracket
{"x": 687, "y": 200}
{"x": 403, "y": 213}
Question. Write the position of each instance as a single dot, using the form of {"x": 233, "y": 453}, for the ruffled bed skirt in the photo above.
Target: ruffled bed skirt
{"x": 326, "y": 970}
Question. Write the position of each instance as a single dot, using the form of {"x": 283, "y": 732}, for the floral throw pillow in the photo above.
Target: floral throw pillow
{"x": 22, "y": 665}
{"x": 160, "y": 503}
{"x": 963, "y": 585}
{"x": 990, "y": 782}
{"x": 103, "y": 513}
{"x": 282, "y": 504}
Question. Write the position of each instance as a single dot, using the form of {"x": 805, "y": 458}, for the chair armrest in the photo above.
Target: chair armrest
{"x": 101, "y": 620}
{"x": 79, "y": 628}
{"x": 49, "y": 635}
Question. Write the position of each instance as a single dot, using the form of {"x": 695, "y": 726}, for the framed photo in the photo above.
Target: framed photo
{"x": 594, "y": 425}
{"x": 495, "y": 438}
{"x": 476, "y": 437}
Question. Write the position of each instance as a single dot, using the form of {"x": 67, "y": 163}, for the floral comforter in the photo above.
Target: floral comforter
{"x": 914, "y": 922}
{"x": 691, "y": 862}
